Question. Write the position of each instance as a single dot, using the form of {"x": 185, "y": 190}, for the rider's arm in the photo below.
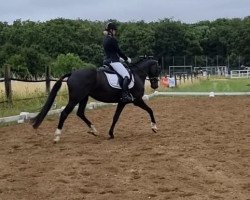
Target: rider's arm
{"x": 119, "y": 52}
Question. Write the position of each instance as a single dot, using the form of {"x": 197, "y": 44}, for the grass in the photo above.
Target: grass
{"x": 31, "y": 97}
{"x": 31, "y": 104}
{"x": 28, "y": 97}
{"x": 214, "y": 84}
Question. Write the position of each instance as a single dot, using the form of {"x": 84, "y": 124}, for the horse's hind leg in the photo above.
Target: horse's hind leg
{"x": 64, "y": 114}
{"x": 80, "y": 113}
{"x": 140, "y": 103}
{"x": 118, "y": 111}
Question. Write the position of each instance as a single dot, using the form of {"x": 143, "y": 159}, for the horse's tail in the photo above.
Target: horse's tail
{"x": 36, "y": 121}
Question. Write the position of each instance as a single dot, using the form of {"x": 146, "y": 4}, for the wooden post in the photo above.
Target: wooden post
{"x": 162, "y": 65}
{"x": 7, "y": 81}
{"x": 175, "y": 77}
{"x": 47, "y": 72}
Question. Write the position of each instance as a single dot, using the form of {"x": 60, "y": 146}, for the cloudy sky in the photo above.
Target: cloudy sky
{"x": 188, "y": 11}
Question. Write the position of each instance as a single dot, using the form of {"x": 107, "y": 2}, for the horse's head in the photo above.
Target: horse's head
{"x": 152, "y": 70}
{"x": 154, "y": 73}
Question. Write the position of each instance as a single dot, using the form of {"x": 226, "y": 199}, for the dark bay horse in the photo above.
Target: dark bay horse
{"x": 93, "y": 82}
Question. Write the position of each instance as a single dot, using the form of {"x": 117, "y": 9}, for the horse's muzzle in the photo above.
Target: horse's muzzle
{"x": 154, "y": 83}
{"x": 154, "y": 86}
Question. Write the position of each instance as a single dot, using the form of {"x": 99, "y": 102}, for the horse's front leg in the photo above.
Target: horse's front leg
{"x": 118, "y": 111}
{"x": 140, "y": 103}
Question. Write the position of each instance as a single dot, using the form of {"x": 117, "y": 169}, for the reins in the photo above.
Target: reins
{"x": 155, "y": 78}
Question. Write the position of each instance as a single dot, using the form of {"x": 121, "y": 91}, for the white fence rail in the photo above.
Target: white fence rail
{"x": 240, "y": 73}
{"x": 25, "y": 116}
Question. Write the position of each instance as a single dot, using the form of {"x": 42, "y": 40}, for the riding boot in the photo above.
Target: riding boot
{"x": 126, "y": 96}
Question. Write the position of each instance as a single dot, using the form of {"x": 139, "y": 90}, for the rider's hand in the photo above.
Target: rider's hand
{"x": 121, "y": 60}
{"x": 129, "y": 60}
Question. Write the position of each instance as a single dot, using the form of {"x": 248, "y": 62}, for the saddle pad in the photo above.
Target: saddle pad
{"x": 114, "y": 83}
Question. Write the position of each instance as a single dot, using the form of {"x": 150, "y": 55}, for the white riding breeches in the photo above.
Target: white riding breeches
{"x": 120, "y": 69}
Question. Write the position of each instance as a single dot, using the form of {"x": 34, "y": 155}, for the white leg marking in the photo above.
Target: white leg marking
{"x": 58, "y": 132}
{"x": 154, "y": 127}
{"x": 93, "y": 129}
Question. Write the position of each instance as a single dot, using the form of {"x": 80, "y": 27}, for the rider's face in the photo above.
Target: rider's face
{"x": 113, "y": 31}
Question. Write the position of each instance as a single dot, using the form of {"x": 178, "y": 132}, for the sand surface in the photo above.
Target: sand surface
{"x": 202, "y": 151}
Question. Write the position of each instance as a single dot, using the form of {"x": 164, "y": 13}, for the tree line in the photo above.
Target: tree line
{"x": 62, "y": 44}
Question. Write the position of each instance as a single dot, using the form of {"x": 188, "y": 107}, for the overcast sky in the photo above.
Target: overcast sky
{"x": 188, "y": 11}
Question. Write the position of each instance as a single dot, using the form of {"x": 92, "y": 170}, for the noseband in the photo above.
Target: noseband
{"x": 153, "y": 79}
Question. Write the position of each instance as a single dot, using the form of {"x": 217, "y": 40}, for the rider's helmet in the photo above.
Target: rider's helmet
{"x": 111, "y": 25}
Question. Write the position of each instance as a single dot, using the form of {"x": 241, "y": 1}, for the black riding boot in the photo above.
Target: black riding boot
{"x": 126, "y": 96}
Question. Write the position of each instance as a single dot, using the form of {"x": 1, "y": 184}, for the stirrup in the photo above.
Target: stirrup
{"x": 127, "y": 97}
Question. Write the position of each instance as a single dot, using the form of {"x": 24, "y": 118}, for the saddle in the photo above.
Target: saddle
{"x": 114, "y": 79}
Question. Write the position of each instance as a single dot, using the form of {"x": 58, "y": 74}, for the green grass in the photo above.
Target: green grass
{"x": 214, "y": 84}
{"x": 32, "y": 103}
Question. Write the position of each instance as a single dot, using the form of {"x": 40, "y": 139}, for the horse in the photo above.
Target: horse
{"x": 92, "y": 82}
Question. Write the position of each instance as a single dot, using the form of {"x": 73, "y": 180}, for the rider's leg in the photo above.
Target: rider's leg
{"x": 126, "y": 96}
{"x": 120, "y": 69}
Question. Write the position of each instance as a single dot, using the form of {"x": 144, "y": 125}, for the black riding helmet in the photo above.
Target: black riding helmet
{"x": 110, "y": 26}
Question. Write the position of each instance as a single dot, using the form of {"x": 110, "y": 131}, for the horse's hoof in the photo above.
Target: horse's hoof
{"x": 56, "y": 140}
{"x": 92, "y": 133}
{"x": 111, "y": 138}
{"x": 154, "y": 130}
{"x": 154, "y": 127}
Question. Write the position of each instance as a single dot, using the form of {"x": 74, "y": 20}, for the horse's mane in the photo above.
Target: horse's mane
{"x": 138, "y": 63}
{"x": 140, "y": 60}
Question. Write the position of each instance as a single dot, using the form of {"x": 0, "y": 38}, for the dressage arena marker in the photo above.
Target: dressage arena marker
{"x": 25, "y": 116}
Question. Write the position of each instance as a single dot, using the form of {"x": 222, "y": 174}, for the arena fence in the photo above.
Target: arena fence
{"x": 8, "y": 78}
{"x": 25, "y": 116}
{"x": 240, "y": 73}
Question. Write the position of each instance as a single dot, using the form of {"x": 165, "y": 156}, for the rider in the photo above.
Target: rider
{"x": 114, "y": 55}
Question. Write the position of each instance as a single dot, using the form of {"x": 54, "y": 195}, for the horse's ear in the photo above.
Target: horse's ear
{"x": 156, "y": 62}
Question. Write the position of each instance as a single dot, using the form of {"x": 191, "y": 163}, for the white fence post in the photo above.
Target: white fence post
{"x": 240, "y": 73}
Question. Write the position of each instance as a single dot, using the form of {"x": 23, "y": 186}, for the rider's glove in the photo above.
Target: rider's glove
{"x": 121, "y": 60}
{"x": 129, "y": 60}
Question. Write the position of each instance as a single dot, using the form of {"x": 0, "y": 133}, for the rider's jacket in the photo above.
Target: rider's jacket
{"x": 112, "y": 49}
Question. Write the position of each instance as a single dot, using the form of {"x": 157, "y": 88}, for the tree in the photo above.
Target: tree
{"x": 137, "y": 39}
{"x": 18, "y": 65}
{"x": 35, "y": 61}
{"x": 67, "y": 63}
{"x": 6, "y": 51}
{"x": 35, "y": 45}
{"x": 92, "y": 53}
{"x": 169, "y": 38}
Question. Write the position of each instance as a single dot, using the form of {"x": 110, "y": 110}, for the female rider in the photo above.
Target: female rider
{"x": 113, "y": 55}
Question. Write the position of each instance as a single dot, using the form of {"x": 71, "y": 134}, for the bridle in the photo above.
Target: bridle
{"x": 153, "y": 79}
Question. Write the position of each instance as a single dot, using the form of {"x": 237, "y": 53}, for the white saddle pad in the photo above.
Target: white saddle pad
{"x": 113, "y": 81}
